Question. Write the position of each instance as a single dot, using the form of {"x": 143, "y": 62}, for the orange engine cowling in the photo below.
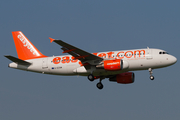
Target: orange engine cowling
{"x": 123, "y": 78}
{"x": 113, "y": 65}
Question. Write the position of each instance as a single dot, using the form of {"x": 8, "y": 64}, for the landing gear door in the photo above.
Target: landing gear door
{"x": 149, "y": 54}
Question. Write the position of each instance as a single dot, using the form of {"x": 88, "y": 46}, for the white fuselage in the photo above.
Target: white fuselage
{"x": 137, "y": 59}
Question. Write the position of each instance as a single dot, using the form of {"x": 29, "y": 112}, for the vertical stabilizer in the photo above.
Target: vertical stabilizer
{"x": 25, "y": 49}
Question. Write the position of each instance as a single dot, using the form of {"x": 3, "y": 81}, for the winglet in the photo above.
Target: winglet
{"x": 51, "y": 39}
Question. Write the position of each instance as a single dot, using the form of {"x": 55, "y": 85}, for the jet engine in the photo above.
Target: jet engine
{"x": 123, "y": 78}
{"x": 113, "y": 65}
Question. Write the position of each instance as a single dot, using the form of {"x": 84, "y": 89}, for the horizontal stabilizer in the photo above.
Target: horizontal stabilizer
{"x": 18, "y": 61}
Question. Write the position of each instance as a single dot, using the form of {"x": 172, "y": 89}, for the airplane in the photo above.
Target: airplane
{"x": 114, "y": 65}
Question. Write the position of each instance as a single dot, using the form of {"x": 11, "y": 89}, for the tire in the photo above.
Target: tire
{"x": 99, "y": 85}
{"x": 152, "y": 77}
{"x": 91, "y": 77}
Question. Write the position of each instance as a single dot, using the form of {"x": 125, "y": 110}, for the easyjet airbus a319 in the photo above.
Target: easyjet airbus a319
{"x": 114, "y": 65}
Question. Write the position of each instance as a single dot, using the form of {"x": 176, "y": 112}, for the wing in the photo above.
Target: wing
{"x": 77, "y": 53}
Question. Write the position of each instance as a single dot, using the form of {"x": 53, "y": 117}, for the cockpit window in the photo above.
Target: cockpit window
{"x": 163, "y": 52}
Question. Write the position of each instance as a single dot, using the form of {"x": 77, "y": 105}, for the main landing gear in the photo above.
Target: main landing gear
{"x": 150, "y": 72}
{"x": 91, "y": 77}
{"x": 99, "y": 85}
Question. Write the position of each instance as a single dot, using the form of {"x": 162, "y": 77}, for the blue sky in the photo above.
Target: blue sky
{"x": 93, "y": 26}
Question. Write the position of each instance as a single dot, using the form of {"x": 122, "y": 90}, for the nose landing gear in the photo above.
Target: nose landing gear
{"x": 150, "y": 72}
{"x": 99, "y": 85}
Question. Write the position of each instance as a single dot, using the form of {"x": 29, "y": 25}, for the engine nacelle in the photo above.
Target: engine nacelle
{"x": 123, "y": 78}
{"x": 113, "y": 65}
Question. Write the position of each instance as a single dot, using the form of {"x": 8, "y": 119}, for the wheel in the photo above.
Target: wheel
{"x": 99, "y": 85}
{"x": 91, "y": 77}
{"x": 152, "y": 77}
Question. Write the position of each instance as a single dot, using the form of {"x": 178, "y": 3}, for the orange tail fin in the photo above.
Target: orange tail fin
{"x": 25, "y": 49}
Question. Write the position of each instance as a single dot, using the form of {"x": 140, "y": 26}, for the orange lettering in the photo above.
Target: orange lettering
{"x": 95, "y": 54}
{"x": 80, "y": 63}
{"x": 102, "y": 55}
{"x": 56, "y": 60}
{"x": 118, "y": 55}
{"x": 65, "y": 59}
{"x": 74, "y": 60}
{"x": 128, "y": 52}
{"x": 139, "y": 51}
{"x": 110, "y": 54}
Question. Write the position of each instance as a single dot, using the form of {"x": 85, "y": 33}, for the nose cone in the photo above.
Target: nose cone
{"x": 173, "y": 60}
